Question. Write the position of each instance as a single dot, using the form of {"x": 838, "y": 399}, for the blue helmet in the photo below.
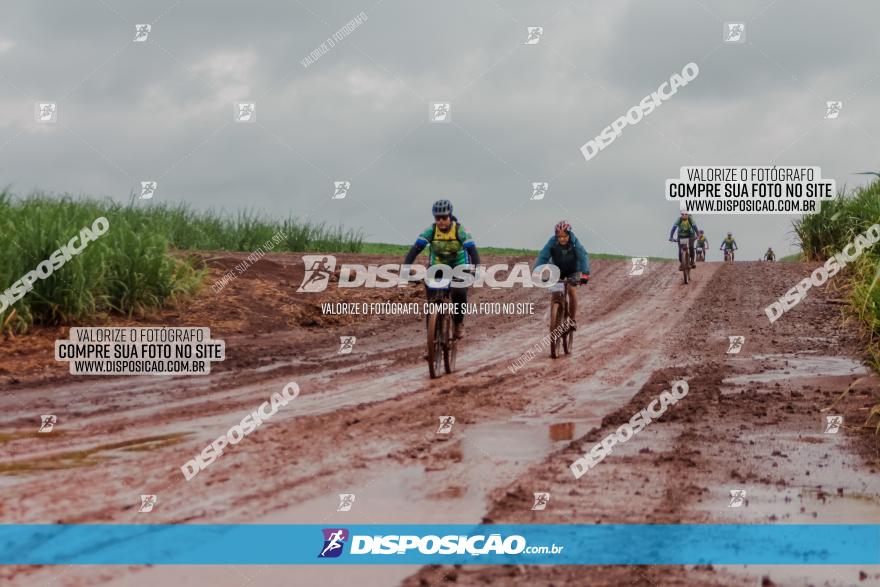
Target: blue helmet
{"x": 441, "y": 208}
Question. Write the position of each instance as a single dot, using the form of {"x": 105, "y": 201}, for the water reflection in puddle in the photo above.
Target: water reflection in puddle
{"x": 519, "y": 440}
{"x": 562, "y": 431}
{"x": 783, "y": 367}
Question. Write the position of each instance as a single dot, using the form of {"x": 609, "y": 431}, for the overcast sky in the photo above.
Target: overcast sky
{"x": 163, "y": 109}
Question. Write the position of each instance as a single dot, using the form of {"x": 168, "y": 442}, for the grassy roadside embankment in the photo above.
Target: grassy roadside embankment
{"x": 827, "y": 232}
{"x": 823, "y": 234}
{"x": 128, "y": 270}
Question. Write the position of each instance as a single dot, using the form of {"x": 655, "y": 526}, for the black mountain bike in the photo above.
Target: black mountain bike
{"x": 560, "y": 318}
{"x": 442, "y": 345}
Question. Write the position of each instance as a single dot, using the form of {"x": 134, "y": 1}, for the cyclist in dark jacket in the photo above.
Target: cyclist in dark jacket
{"x": 566, "y": 252}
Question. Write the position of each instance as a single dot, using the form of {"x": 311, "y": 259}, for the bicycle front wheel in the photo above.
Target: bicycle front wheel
{"x": 435, "y": 344}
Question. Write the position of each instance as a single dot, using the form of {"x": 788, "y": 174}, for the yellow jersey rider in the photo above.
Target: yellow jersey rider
{"x": 702, "y": 242}
{"x": 451, "y": 245}
{"x": 686, "y": 228}
{"x": 729, "y": 245}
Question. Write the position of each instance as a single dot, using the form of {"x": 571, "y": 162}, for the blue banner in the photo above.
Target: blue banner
{"x": 612, "y": 544}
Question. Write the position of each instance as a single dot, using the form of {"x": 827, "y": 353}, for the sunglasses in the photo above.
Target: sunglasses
{"x": 443, "y": 217}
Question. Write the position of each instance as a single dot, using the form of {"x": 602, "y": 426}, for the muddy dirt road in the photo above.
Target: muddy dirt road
{"x": 366, "y": 423}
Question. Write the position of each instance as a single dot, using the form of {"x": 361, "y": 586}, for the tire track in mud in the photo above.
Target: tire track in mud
{"x": 366, "y": 422}
{"x": 99, "y": 401}
{"x": 750, "y": 421}
{"x": 354, "y": 433}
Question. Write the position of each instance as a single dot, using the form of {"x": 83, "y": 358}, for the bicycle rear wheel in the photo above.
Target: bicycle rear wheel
{"x": 435, "y": 343}
{"x": 555, "y": 321}
{"x": 450, "y": 345}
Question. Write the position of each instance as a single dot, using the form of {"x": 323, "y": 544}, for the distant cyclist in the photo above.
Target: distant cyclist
{"x": 702, "y": 244}
{"x": 728, "y": 245}
{"x": 566, "y": 252}
{"x": 770, "y": 255}
{"x": 686, "y": 228}
{"x": 450, "y": 245}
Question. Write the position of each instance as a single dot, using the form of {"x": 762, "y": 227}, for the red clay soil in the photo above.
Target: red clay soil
{"x": 366, "y": 422}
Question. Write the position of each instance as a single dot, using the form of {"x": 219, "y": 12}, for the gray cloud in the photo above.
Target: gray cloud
{"x": 163, "y": 109}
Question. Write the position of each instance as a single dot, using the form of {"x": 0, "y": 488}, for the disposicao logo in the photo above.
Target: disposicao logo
{"x": 334, "y": 540}
{"x": 320, "y": 268}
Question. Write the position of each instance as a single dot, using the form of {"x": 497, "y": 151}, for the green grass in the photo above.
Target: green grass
{"x": 129, "y": 269}
{"x": 245, "y": 231}
{"x": 825, "y": 233}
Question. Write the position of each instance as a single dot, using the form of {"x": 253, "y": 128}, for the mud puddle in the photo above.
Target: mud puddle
{"x": 457, "y": 489}
{"x": 522, "y": 439}
{"x": 791, "y": 575}
{"x": 789, "y": 366}
{"x": 90, "y": 456}
{"x": 794, "y": 505}
{"x": 456, "y": 479}
{"x": 264, "y": 575}
{"x": 463, "y": 466}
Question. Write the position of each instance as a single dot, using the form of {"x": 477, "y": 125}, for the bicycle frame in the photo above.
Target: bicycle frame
{"x": 559, "y": 295}
{"x": 559, "y": 315}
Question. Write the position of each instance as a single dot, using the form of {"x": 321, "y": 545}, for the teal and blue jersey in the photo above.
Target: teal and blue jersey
{"x": 686, "y": 228}
{"x": 571, "y": 259}
{"x": 453, "y": 247}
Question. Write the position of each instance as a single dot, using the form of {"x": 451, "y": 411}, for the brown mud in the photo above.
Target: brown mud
{"x": 366, "y": 423}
